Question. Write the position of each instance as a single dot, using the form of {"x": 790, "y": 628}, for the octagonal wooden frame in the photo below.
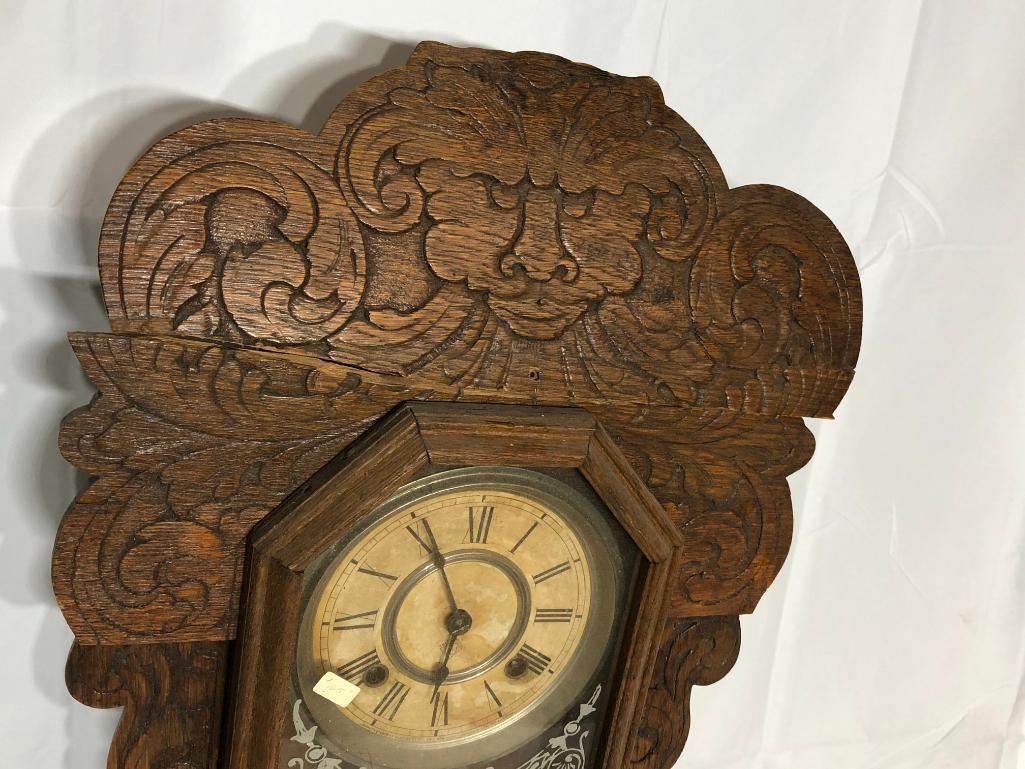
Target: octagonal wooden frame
{"x": 402, "y": 447}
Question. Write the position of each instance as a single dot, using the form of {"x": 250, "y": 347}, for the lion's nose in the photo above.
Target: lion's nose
{"x": 538, "y": 248}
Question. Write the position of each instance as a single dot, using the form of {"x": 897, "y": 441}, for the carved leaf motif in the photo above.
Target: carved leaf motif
{"x": 509, "y": 222}
{"x": 693, "y": 652}
{"x": 772, "y": 285}
{"x": 171, "y": 695}
{"x": 196, "y": 445}
{"x": 243, "y": 240}
{"x": 159, "y": 537}
{"x": 542, "y": 182}
{"x": 722, "y": 478}
{"x": 476, "y": 226}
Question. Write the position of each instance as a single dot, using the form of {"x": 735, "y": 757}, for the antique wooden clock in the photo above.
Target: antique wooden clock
{"x": 455, "y": 435}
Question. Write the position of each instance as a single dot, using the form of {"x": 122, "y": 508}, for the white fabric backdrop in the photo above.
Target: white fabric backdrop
{"x": 894, "y": 637}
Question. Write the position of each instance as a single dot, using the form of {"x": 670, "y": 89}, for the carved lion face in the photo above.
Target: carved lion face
{"x": 540, "y": 190}
{"x": 541, "y": 254}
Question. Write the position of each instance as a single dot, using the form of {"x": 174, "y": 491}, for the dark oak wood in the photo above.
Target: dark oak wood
{"x": 262, "y": 663}
{"x": 645, "y": 629}
{"x": 308, "y": 524}
{"x": 474, "y": 231}
{"x": 485, "y": 435}
{"x": 392, "y": 241}
{"x": 692, "y": 652}
{"x": 171, "y": 695}
{"x": 192, "y": 445}
{"x": 635, "y": 506}
{"x": 157, "y": 439}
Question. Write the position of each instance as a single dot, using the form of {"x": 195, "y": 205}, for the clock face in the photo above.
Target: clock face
{"x": 463, "y": 618}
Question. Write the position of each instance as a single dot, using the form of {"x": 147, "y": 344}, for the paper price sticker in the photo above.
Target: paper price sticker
{"x": 336, "y": 689}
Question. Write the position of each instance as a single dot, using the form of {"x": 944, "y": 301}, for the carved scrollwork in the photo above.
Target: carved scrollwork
{"x": 194, "y": 443}
{"x": 722, "y": 478}
{"x": 693, "y": 652}
{"x": 171, "y": 694}
{"x": 193, "y": 446}
{"x": 543, "y": 182}
{"x": 243, "y": 240}
{"x": 475, "y": 226}
{"x": 771, "y": 285}
{"x": 489, "y": 216}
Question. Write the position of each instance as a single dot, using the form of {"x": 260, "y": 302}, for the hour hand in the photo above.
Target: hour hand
{"x": 441, "y": 671}
{"x": 438, "y": 558}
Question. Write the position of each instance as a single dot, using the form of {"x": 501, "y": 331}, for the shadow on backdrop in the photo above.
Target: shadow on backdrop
{"x": 86, "y": 153}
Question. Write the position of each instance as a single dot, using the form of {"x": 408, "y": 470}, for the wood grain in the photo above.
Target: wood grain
{"x": 436, "y": 229}
{"x": 172, "y": 410}
{"x": 722, "y": 479}
{"x": 192, "y": 445}
{"x": 455, "y": 434}
{"x": 312, "y": 520}
{"x": 171, "y": 695}
{"x": 638, "y": 664}
{"x": 262, "y": 656}
{"x": 473, "y": 231}
{"x": 692, "y": 652}
{"x": 640, "y": 514}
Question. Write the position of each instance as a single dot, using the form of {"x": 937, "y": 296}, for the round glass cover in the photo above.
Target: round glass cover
{"x": 469, "y": 610}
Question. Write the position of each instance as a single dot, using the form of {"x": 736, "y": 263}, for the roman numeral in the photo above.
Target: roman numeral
{"x": 423, "y": 542}
{"x": 480, "y": 518}
{"x": 523, "y": 539}
{"x": 392, "y": 701}
{"x": 440, "y": 708}
{"x": 552, "y": 572}
{"x": 553, "y": 615}
{"x": 493, "y": 697}
{"x": 355, "y": 621}
{"x": 355, "y": 669}
{"x": 535, "y": 660}
{"x": 385, "y": 578}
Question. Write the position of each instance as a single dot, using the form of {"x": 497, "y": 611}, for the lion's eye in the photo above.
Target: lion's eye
{"x": 504, "y": 195}
{"x": 577, "y": 205}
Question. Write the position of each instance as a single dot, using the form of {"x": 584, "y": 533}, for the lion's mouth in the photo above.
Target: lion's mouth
{"x": 533, "y": 309}
{"x": 538, "y": 309}
{"x": 537, "y": 318}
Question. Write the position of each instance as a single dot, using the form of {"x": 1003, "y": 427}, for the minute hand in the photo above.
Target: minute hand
{"x": 439, "y": 563}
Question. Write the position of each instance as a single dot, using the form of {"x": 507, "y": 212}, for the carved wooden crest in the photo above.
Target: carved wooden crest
{"x": 475, "y": 226}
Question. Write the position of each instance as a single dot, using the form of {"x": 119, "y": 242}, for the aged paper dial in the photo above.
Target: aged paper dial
{"x": 472, "y": 599}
